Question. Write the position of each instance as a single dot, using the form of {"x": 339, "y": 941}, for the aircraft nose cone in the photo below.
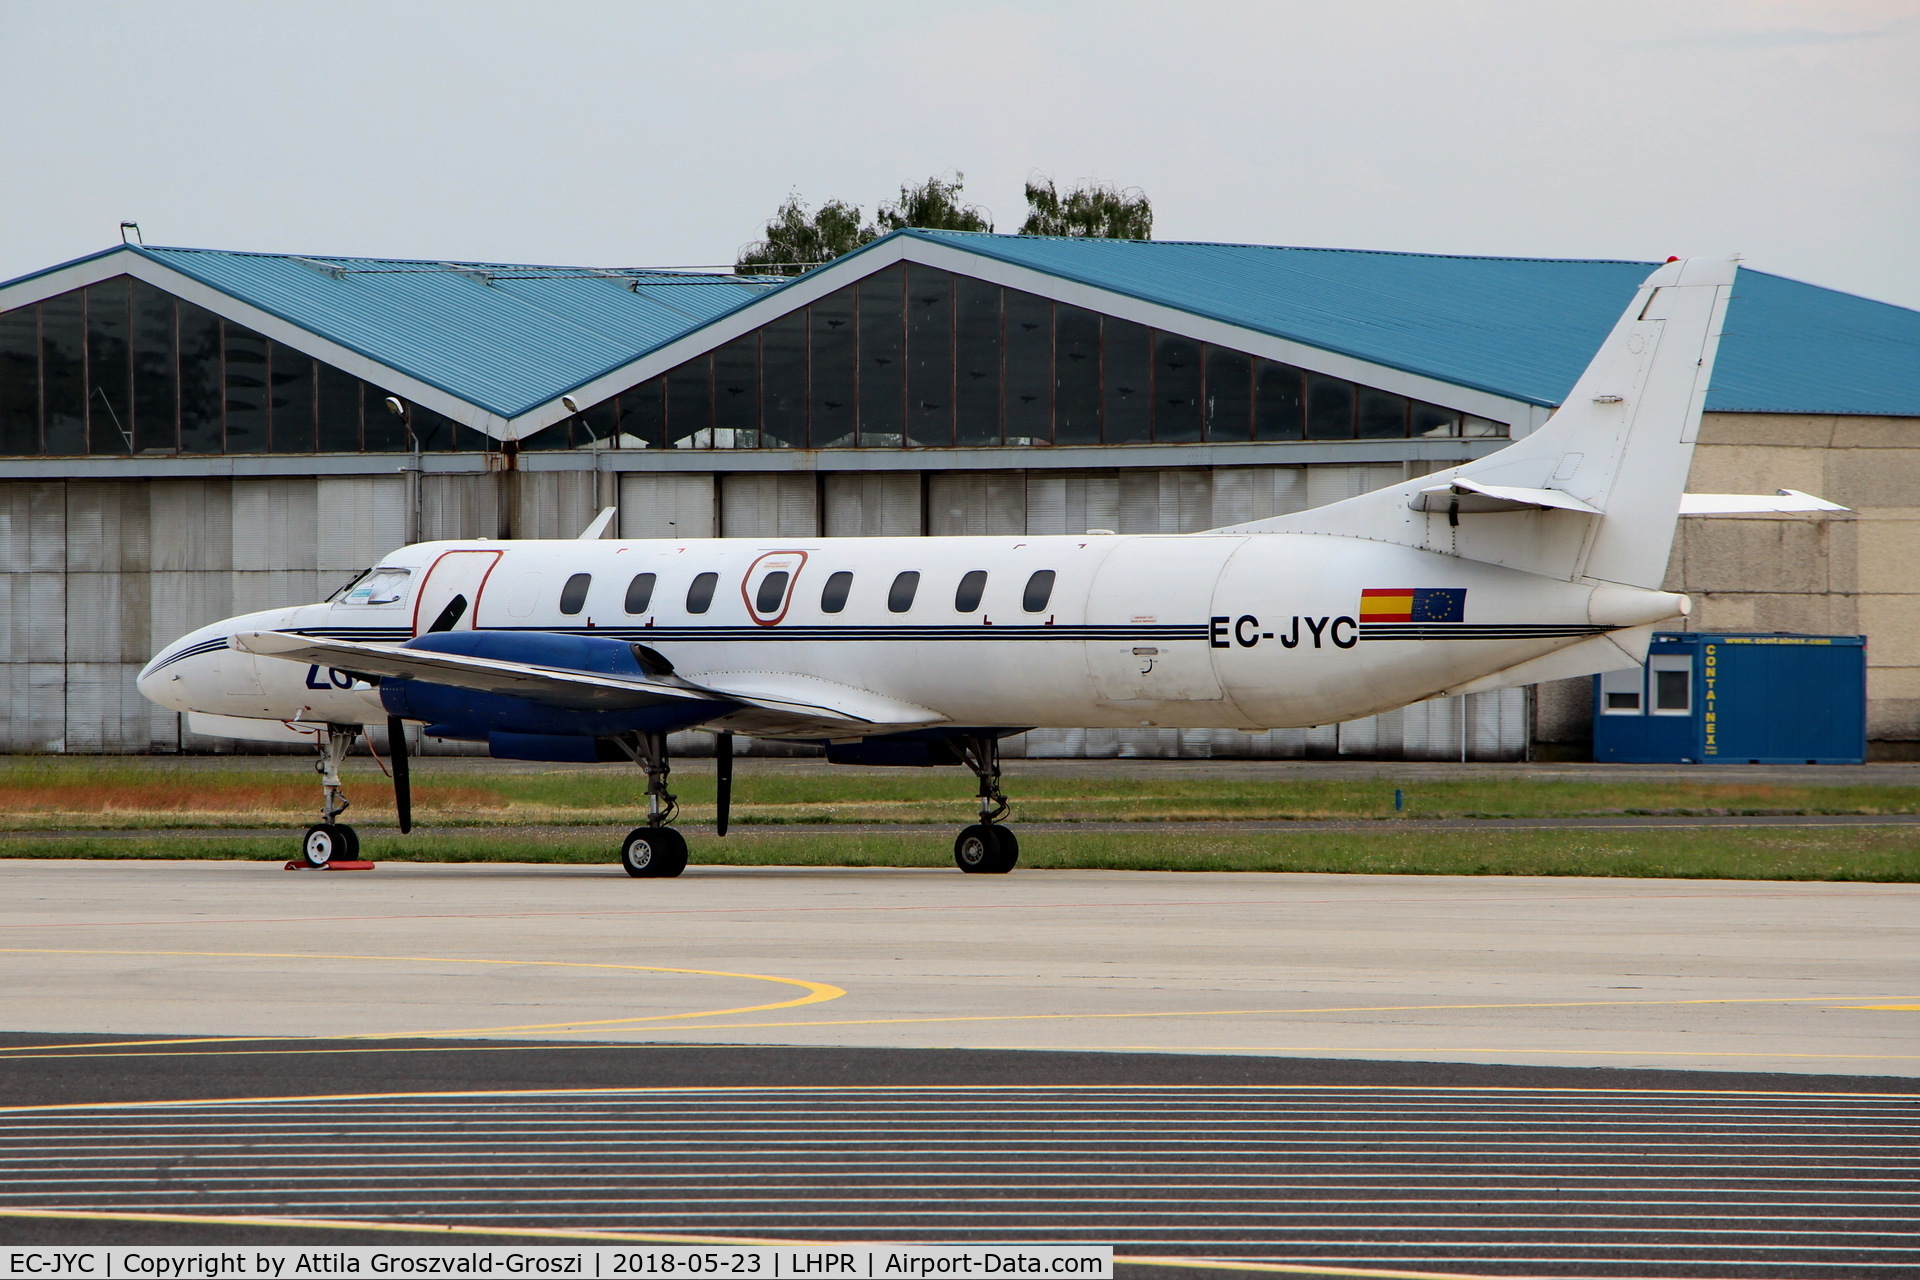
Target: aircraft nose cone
{"x": 171, "y": 678}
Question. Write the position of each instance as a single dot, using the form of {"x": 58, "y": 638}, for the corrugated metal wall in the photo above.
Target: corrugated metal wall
{"x": 95, "y": 576}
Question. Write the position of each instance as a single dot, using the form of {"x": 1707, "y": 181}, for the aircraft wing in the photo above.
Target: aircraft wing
{"x": 814, "y": 708}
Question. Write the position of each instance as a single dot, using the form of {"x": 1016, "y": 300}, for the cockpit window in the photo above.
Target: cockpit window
{"x": 382, "y": 585}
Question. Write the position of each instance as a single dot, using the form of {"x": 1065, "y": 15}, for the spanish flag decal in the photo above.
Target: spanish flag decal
{"x": 1413, "y": 604}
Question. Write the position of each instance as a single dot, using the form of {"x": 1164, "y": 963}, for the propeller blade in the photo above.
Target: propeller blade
{"x": 723, "y": 780}
{"x": 402, "y": 780}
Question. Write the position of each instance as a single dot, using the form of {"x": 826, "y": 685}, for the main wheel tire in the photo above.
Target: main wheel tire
{"x": 349, "y": 845}
{"x": 654, "y": 851}
{"x": 985, "y": 849}
{"x": 323, "y": 844}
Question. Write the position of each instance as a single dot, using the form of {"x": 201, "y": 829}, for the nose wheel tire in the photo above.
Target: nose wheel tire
{"x": 327, "y": 842}
{"x": 654, "y": 851}
{"x": 986, "y": 849}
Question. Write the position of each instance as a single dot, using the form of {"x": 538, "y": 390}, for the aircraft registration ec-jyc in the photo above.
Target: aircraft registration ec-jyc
{"x": 1541, "y": 561}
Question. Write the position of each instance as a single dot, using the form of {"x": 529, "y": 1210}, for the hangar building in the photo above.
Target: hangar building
{"x": 187, "y": 434}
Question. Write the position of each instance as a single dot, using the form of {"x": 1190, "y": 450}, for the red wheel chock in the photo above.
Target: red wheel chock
{"x": 331, "y": 866}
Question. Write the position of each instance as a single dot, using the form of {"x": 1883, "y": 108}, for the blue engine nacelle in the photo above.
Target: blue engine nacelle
{"x": 563, "y": 727}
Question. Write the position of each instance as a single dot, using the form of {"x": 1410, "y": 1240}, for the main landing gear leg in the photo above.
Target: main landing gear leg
{"x": 655, "y": 849}
{"x": 986, "y": 846}
{"x": 329, "y": 841}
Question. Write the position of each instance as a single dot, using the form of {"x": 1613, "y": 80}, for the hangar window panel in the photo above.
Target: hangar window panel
{"x": 20, "y": 381}
{"x": 1076, "y": 375}
{"x": 833, "y": 596}
{"x": 690, "y": 405}
{"x": 1028, "y": 334}
{"x": 1127, "y": 382}
{"x": 882, "y": 357}
{"x": 1472, "y": 426}
{"x": 1229, "y": 401}
{"x": 700, "y": 592}
{"x": 783, "y": 382}
{"x": 440, "y": 434}
{"x": 201, "y": 381}
{"x": 930, "y": 400}
{"x": 736, "y": 394}
{"x": 905, "y": 585}
{"x": 109, "y": 369}
{"x": 290, "y": 376}
{"x": 382, "y": 431}
{"x": 1431, "y": 420}
{"x": 1383, "y": 415}
{"x": 643, "y": 416}
{"x": 1039, "y": 591}
{"x": 976, "y": 362}
{"x": 1176, "y": 389}
{"x": 1329, "y": 408}
{"x": 573, "y": 596}
{"x": 246, "y": 389}
{"x": 63, "y": 373}
{"x": 966, "y": 598}
{"x": 337, "y": 406}
{"x": 156, "y": 408}
{"x": 1279, "y": 402}
{"x": 835, "y": 371}
{"x": 558, "y": 436}
{"x": 640, "y": 592}
{"x": 598, "y": 426}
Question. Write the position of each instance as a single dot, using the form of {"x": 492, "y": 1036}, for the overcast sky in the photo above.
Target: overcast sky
{"x": 642, "y": 134}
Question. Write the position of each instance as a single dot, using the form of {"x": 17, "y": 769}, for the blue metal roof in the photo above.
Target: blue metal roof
{"x": 506, "y": 338}
{"x": 1517, "y": 327}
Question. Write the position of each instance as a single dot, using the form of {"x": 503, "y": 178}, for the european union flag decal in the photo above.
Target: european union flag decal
{"x": 1413, "y": 604}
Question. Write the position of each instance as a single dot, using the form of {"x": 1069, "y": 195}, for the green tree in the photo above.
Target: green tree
{"x": 934, "y": 205}
{"x": 1090, "y": 209}
{"x": 796, "y": 241}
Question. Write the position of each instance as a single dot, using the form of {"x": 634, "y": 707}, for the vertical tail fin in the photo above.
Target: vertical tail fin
{"x": 1595, "y": 492}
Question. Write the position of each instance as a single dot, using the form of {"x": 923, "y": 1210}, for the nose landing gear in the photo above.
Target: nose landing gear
{"x": 329, "y": 842}
{"x": 987, "y": 847}
{"x": 655, "y": 849}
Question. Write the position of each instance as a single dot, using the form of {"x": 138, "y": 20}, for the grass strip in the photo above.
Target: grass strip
{"x": 1879, "y": 854}
{"x": 66, "y": 792}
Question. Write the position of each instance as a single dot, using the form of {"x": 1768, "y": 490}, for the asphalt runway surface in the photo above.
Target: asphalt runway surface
{"x": 1416, "y": 1075}
{"x": 1297, "y": 1164}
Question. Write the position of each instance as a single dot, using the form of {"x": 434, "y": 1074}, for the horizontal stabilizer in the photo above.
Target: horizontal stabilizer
{"x": 1735, "y": 504}
{"x": 1464, "y": 496}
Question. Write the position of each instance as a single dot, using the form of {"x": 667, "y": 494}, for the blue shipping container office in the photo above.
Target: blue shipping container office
{"x": 1736, "y": 699}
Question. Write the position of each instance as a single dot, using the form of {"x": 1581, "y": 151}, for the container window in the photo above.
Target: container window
{"x": 1039, "y": 591}
{"x": 1672, "y": 692}
{"x": 700, "y": 592}
{"x": 972, "y": 587}
{"x": 1620, "y": 692}
{"x": 773, "y": 589}
{"x": 900, "y": 594}
{"x": 640, "y": 592}
{"x": 833, "y": 596}
{"x": 573, "y": 596}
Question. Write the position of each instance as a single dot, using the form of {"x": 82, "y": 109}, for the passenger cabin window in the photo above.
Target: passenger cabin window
{"x": 773, "y": 588}
{"x": 379, "y": 586}
{"x": 900, "y": 595}
{"x": 700, "y": 593}
{"x": 833, "y": 596}
{"x": 573, "y": 596}
{"x": 972, "y": 587}
{"x": 1039, "y": 591}
{"x": 640, "y": 592}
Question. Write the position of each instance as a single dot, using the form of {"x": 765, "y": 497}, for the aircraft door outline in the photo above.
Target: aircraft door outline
{"x": 754, "y": 585}
{"x": 449, "y": 595}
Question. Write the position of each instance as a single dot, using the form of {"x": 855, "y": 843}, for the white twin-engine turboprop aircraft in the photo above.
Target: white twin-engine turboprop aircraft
{"x": 1541, "y": 561}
